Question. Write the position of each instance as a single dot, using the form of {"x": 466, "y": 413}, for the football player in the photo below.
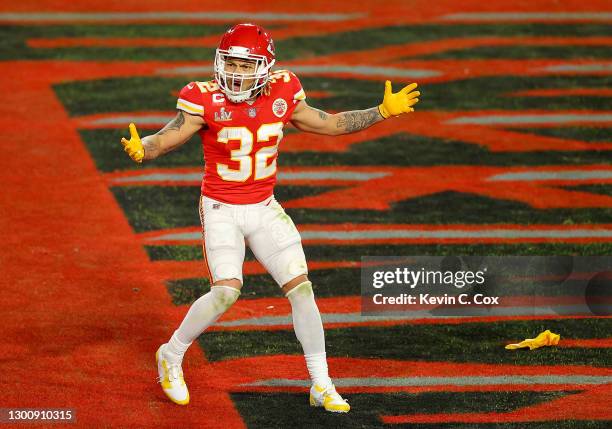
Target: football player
{"x": 240, "y": 116}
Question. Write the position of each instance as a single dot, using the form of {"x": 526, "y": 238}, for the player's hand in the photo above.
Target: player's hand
{"x": 400, "y": 102}
{"x": 133, "y": 147}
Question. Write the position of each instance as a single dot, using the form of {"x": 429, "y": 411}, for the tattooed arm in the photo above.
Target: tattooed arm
{"x": 174, "y": 134}
{"x": 309, "y": 119}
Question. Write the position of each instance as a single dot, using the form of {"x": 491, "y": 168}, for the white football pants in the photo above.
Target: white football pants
{"x": 268, "y": 230}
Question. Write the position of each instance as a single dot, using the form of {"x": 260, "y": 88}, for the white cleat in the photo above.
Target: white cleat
{"x": 171, "y": 378}
{"x": 328, "y": 398}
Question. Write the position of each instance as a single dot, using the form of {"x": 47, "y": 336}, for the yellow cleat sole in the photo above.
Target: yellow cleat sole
{"x": 331, "y": 410}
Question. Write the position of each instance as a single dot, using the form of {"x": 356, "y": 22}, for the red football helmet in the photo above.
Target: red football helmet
{"x": 247, "y": 42}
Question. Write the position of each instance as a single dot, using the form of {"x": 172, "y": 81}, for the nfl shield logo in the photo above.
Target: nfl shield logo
{"x": 252, "y": 112}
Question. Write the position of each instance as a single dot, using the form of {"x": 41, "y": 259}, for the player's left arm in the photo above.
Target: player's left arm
{"x": 309, "y": 119}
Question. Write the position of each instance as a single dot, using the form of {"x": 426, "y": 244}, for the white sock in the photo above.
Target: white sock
{"x": 175, "y": 349}
{"x": 317, "y": 368}
{"x": 203, "y": 312}
{"x": 309, "y": 331}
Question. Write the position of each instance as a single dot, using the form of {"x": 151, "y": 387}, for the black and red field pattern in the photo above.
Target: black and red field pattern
{"x": 508, "y": 153}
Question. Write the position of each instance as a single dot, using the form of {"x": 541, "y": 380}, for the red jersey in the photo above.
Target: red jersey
{"x": 241, "y": 140}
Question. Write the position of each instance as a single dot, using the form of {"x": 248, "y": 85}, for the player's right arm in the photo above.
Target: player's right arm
{"x": 174, "y": 134}
{"x": 188, "y": 121}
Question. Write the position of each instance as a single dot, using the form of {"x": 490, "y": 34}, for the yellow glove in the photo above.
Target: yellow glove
{"x": 133, "y": 147}
{"x": 546, "y": 338}
{"x": 400, "y": 102}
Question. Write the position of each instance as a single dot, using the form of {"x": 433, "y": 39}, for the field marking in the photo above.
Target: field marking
{"x": 405, "y": 314}
{"x": 68, "y": 17}
{"x": 309, "y": 70}
{"x": 528, "y": 16}
{"x": 415, "y": 49}
{"x": 573, "y": 175}
{"x": 287, "y": 176}
{"x": 443, "y": 381}
{"x": 563, "y": 92}
{"x": 125, "y": 119}
{"x": 543, "y": 118}
{"x": 577, "y": 68}
{"x": 329, "y": 235}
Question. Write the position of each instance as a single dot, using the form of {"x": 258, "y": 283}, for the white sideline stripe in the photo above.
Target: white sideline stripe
{"x": 172, "y": 15}
{"x": 442, "y": 381}
{"x": 579, "y": 68}
{"x": 386, "y": 315}
{"x": 552, "y": 118}
{"x": 418, "y": 234}
{"x": 553, "y": 175}
{"x": 319, "y": 69}
{"x": 304, "y": 175}
{"x": 521, "y": 16}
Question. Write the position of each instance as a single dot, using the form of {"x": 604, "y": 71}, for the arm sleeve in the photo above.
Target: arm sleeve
{"x": 190, "y": 100}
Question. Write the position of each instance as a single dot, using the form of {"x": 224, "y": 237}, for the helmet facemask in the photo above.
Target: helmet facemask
{"x": 234, "y": 84}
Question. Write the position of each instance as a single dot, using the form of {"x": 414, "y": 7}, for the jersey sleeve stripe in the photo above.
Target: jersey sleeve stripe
{"x": 300, "y": 95}
{"x": 189, "y": 107}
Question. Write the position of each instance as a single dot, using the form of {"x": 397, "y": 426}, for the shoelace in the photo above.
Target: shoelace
{"x": 331, "y": 390}
{"x": 174, "y": 371}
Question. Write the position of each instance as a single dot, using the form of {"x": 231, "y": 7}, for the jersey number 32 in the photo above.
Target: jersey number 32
{"x": 243, "y": 155}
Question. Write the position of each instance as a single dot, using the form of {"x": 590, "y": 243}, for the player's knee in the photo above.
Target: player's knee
{"x": 225, "y": 270}
{"x": 289, "y": 266}
{"x": 301, "y": 290}
{"x": 224, "y": 297}
{"x": 295, "y": 281}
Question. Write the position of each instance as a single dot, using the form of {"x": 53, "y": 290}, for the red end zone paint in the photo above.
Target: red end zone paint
{"x": 85, "y": 338}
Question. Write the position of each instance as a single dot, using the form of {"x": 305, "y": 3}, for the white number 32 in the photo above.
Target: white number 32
{"x": 243, "y": 155}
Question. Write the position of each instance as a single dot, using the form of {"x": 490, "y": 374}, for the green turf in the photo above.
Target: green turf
{"x": 149, "y": 208}
{"x": 106, "y": 150}
{"x": 521, "y": 52}
{"x": 413, "y": 150}
{"x": 559, "y": 424}
{"x": 455, "y": 208}
{"x": 399, "y": 149}
{"x": 584, "y": 133}
{"x": 13, "y": 45}
{"x": 157, "y": 207}
{"x": 366, "y": 409}
{"x": 471, "y": 342}
{"x": 174, "y": 253}
{"x": 327, "y": 283}
{"x": 153, "y": 207}
{"x": 487, "y": 92}
{"x": 599, "y": 188}
{"x": 120, "y": 94}
{"x": 355, "y": 252}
